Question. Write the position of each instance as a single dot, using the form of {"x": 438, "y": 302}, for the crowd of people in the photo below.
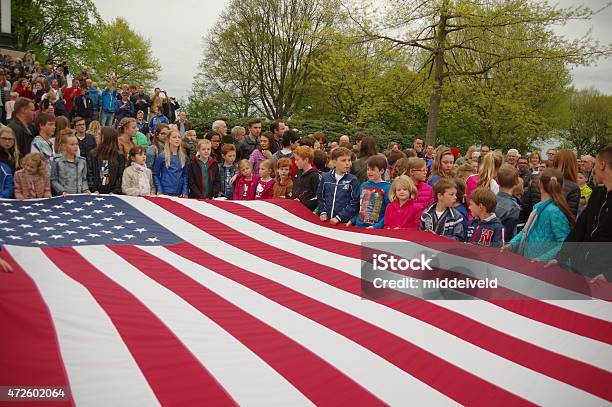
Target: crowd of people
{"x": 126, "y": 142}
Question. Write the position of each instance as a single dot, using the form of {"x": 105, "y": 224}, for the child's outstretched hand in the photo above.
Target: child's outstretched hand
{"x": 506, "y": 248}
{"x": 349, "y": 223}
{"x": 323, "y": 217}
{"x": 334, "y": 221}
{"x": 5, "y": 267}
{"x": 370, "y": 227}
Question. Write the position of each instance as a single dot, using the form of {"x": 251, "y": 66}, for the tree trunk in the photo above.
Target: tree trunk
{"x": 436, "y": 94}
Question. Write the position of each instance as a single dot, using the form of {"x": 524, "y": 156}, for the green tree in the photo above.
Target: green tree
{"x": 512, "y": 107}
{"x": 469, "y": 38}
{"x": 261, "y": 52}
{"x": 115, "y": 50}
{"x": 590, "y": 127}
{"x": 53, "y": 29}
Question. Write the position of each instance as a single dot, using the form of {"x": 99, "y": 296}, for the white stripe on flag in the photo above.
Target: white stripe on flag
{"x": 541, "y": 389}
{"x": 548, "y": 337}
{"x": 383, "y": 379}
{"x": 100, "y": 368}
{"x": 246, "y": 378}
{"x": 593, "y": 308}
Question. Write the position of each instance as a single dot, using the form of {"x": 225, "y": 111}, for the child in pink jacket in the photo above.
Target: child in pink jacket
{"x": 404, "y": 210}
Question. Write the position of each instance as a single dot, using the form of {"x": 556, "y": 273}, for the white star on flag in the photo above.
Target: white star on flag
{"x": 39, "y": 242}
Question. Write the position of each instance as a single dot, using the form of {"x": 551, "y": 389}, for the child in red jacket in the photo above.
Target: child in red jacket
{"x": 404, "y": 210}
{"x": 244, "y": 183}
{"x": 264, "y": 188}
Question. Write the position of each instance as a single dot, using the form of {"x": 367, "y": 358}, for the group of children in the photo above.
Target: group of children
{"x": 480, "y": 209}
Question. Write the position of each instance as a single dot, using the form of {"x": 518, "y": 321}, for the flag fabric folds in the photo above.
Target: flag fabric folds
{"x": 178, "y": 302}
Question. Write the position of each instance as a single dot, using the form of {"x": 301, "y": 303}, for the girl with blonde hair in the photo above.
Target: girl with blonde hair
{"x": 404, "y": 210}
{"x": 170, "y": 168}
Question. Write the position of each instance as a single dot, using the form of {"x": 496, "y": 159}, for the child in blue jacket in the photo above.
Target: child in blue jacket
{"x": 338, "y": 192}
{"x": 170, "y": 169}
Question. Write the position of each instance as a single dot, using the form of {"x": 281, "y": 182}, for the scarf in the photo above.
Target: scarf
{"x": 143, "y": 180}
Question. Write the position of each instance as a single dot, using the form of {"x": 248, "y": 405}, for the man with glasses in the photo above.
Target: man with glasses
{"x": 418, "y": 148}
{"x": 87, "y": 142}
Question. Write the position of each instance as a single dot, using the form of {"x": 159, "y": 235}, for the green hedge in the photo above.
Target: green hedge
{"x": 332, "y": 130}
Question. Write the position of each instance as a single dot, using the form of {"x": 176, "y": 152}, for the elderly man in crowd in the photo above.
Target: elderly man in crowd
{"x": 512, "y": 157}
{"x": 587, "y": 162}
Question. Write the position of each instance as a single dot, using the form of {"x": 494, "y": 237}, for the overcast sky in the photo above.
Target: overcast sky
{"x": 176, "y": 28}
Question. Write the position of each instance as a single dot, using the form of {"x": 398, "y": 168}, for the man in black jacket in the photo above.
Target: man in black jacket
{"x": 588, "y": 248}
{"x": 23, "y": 117}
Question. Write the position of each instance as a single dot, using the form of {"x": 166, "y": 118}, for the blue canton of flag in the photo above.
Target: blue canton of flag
{"x": 79, "y": 220}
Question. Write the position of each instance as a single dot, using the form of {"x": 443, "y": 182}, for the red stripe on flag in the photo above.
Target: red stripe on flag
{"x": 544, "y": 312}
{"x": 175, "y": 375}
{"x": 573, "y": 372}
{"x": 555, "y": 275}
{"x": 456, "y": 383}
{"x": 29, "y": 349}
{"x": 313, "y": 376}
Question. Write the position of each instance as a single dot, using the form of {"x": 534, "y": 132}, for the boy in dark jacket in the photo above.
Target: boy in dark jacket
{"x": 484, "y": 229}
{"x": 507, "y": 209}
{"x": 338, "y": 192}
{"x": 204, "y": 173}
{"x": 306, "y": 181}
{"x": 441, "y": 218}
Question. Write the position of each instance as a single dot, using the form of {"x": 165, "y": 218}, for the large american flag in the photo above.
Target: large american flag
{"x": 164, "y": 301}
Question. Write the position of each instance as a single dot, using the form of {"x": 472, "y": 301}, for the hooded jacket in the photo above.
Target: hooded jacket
{"x": 584, "y": 250}
{"x": 338, "y": 198}
{"x": 244, "y": 190}
{"x": 406, "y": 216}
{"x": 486, "y": 232}
{"x": 305, "y": 187}
{"x": 449, "y": 224}
{"x": 544, "y": 233}
{"x": 196, "y": 181}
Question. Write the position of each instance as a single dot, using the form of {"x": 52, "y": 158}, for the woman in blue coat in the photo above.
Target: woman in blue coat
{"x": 170, "y": 169}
